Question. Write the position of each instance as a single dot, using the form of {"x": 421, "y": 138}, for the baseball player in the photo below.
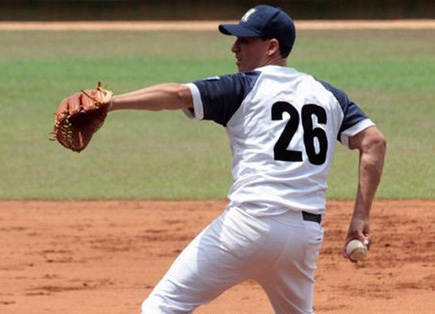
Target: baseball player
{"x": 283, "y": 126}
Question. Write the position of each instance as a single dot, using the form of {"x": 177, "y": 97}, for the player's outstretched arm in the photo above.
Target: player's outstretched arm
{"x": 168, "y": 96}
{"x": 372, "y": 146}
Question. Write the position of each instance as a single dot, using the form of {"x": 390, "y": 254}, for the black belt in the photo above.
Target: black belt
{"x": 311, "y": 217}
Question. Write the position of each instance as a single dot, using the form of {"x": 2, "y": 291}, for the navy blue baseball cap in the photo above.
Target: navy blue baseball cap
{"x": 264, "y": 21}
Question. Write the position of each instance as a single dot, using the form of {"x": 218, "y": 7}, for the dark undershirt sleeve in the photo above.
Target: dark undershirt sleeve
{"x": 352, "y": 113}
{"x": 222, "y": 96}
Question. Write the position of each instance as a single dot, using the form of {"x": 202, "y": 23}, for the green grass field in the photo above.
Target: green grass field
{"x": 142, "y": 155}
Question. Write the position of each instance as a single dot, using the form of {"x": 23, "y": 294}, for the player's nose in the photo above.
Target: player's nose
{"x": 236, "y": 46}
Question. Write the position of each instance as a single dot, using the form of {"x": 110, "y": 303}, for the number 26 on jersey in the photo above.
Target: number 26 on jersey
{"x": 310, "y": 133}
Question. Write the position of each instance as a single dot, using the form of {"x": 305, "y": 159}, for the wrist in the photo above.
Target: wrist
{"x": 111, "y": 105}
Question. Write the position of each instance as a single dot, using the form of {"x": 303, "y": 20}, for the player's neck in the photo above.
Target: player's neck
{"x": 276, "y": 60}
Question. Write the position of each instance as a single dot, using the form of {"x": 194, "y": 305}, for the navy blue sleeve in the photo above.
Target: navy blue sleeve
{"x": 222, "y": 96}
{"x": 352, "y": 113}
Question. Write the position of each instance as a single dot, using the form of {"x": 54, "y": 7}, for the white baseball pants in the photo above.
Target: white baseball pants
{"x": 279, "y": 252}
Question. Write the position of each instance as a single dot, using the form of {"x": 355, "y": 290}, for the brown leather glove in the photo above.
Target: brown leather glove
{"x": 79, "y": 116}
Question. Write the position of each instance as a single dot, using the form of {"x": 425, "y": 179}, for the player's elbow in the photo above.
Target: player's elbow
{"x": 373, "y": 152}
{"x": 382, "y": 143}
{"x": 376, "y": 143}
{"x": 369, "y": 141}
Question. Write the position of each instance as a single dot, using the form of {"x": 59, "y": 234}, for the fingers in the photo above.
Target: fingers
{"x": 101, "y": 95}
{"x": 74, "y": 103}
{"x": 344, "y": 253}
{"x": 105, "y": 96}
{"x": 89, "y": 99}
{"x": 367, "y": 242}
{"x": 364, "y": 238}
{"x": 83, "y": 101}
{"x": 96, "y": 97}
{"x": 62, "y": 110}
{"x": 68, "y": 106}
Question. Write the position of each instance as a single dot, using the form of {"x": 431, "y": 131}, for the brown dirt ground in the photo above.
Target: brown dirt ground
{"x": 105, "y": 257}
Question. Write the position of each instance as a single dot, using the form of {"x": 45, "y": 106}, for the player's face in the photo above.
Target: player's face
{"x": 250, "y": 52}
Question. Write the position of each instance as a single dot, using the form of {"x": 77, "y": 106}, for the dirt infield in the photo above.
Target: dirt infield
{"x": 209, "y": 25}
{"x": 105, "y": 257}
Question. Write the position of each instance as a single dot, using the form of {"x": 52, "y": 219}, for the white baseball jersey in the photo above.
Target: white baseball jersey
{"x": 283, "y": 126}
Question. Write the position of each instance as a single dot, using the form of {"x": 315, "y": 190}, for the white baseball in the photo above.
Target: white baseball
{"x": 356, "y": 250}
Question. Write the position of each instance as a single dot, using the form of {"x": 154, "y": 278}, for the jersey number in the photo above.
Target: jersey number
{"x": 310, "y": 133}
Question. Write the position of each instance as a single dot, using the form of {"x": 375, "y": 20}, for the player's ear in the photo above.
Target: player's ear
{"x": 273, "y": 47}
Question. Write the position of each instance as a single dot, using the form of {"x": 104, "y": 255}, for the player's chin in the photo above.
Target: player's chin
{"x": 239, "y": 66}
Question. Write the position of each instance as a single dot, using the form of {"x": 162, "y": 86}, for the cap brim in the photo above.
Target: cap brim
{"x": 238, "y": 30}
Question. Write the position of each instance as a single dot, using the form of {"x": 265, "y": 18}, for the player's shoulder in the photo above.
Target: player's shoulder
{"x": 235, "y": 83}
{"x": 337, "y": 93}
{"x": 248, "y": 77}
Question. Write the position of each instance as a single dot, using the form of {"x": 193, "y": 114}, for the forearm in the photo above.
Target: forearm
{"x": 169, "y": 96}
{"x": 370, "y": 170}
{"x": 372, "y": 146}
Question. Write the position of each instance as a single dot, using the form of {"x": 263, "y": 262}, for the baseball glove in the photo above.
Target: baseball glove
{"x": 79, "y": 116}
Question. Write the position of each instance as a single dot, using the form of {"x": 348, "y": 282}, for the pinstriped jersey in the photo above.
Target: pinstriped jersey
{"x": 283, "y": 126}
